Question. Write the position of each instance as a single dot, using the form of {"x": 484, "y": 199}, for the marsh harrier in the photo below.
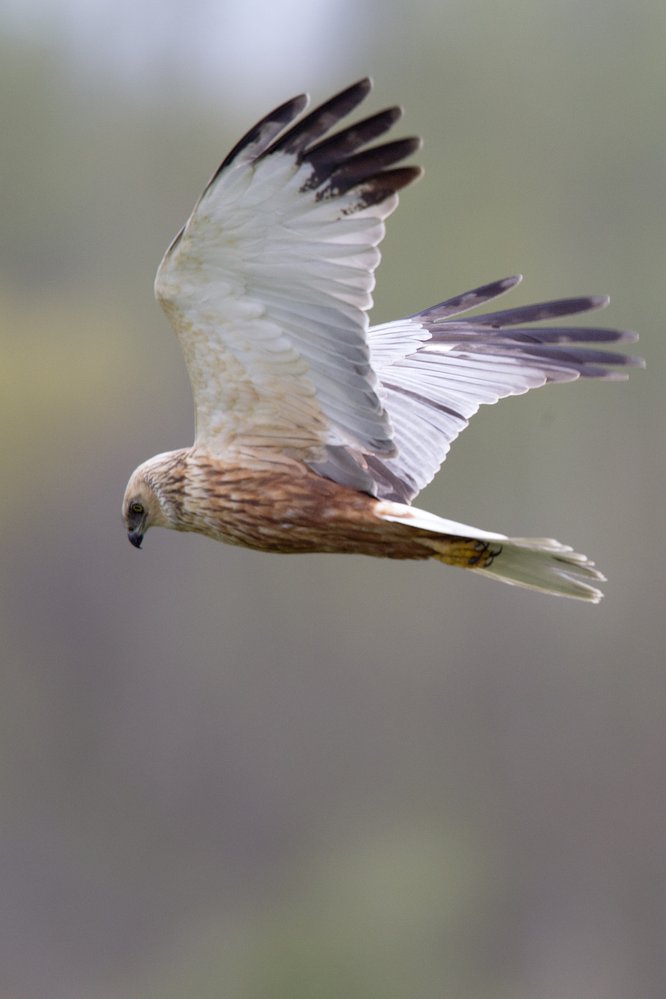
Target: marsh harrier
{"x": 314, "y": 430}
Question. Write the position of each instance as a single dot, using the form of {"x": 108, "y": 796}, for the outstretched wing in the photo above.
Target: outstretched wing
{"x": 436, "y": 369}
{"x": 269, "y": 283}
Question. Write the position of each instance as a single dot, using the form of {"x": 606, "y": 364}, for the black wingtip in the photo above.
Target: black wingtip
{"x": 597, "y": 302}
{"x": 322, "y": 118}
{"x": 468, "y": 300}
{"x": 264, "y": 132}
{"x": 338, "y": 160}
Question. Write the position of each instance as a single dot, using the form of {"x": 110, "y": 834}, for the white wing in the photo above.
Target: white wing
{"x": 269, "y": 283}
{"x": 436, "y": 370}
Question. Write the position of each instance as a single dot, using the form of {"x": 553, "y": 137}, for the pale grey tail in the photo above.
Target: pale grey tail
{"x": 546, "y": 565}
{"x": 533, "y": 563}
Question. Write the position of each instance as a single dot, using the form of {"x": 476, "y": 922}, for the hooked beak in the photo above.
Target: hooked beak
{"x": 135, "y": 536}
{"x": 136, "y": 527}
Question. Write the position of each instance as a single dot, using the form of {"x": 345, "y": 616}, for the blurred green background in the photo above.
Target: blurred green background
{"x": 231, "y": 775}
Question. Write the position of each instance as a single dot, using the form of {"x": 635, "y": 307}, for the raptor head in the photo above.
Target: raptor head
{"x": 147, "y": 497}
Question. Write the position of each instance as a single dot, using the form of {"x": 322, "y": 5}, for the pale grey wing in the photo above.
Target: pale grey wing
{"x": 269, "y": 283}
{"x": 436, "y": 370}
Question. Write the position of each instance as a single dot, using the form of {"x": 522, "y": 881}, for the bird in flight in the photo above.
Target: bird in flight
{"x": 315, "y": 430}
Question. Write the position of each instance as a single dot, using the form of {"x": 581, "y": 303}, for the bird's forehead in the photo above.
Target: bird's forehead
{"x": 141, "y": 479}
{"x": 137, "y": 488}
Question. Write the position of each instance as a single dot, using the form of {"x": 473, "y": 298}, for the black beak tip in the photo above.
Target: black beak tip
{"x": 135, "y": 538}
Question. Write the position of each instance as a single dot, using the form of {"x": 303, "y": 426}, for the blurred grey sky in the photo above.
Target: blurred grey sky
{"x": 209, "y": 44}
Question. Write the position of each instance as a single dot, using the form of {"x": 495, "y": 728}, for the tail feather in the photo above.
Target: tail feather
{"x": 534, "y": 563}
{"x": 546, "y": 565}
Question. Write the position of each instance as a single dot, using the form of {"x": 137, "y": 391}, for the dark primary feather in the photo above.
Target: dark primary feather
{"x": 337, "y": 164}
{"x": 327, "y": 155}
{"x": 261, "y": 135}
{"x": 368, "y": 165}
{"x": 468, "y": 300}
{"x": 543, "y": 310}
{"x": 323, "y": 118}
{"x": 552, "y": 347}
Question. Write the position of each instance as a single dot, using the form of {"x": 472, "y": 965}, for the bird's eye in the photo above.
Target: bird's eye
{"x": 136, "y": 508}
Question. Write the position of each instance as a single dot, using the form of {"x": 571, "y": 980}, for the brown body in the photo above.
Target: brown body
{"x": 283, "y": 506}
